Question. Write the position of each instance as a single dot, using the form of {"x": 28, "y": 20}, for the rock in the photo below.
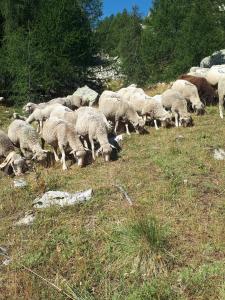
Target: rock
{"x": 179, "y": 137}
{"x": 219, "y": 154}
{"x": 27, "y": 220}
{"x": 20, "y": 183}
{"x": 217, "y": 58}
{"x": 6, "y": 262}
{"x": 62, "y": 198}
{"x": 87, "y": 94}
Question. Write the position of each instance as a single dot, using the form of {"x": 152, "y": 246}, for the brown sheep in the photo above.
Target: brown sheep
{"x": 206, "y": 92}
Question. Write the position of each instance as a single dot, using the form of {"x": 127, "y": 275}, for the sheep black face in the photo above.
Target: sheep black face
{"x": 167, "y": 123}
{"x": 200, "y": 109}
{"x": 187, "y": 122}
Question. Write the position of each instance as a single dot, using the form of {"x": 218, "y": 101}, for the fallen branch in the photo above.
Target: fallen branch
{"x": 45, "y": 280}
{"x": 121, "y": 189}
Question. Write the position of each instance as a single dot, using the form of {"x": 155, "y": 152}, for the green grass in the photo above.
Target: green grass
{"x": 169, "y": 245}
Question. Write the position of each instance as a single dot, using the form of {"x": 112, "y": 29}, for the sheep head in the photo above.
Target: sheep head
{"x": 186, "y": 121}
{"x": 79, "y": 155}
{"x": 17, "y": 163}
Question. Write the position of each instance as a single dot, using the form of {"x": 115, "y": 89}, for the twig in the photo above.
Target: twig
{"x": 44, "y": 279}
{"x": 121, "y": 189}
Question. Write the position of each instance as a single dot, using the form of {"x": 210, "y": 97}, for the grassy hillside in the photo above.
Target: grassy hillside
{"x": 169, "y": 245}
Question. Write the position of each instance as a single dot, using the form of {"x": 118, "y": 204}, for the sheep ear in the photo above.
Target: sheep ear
{"x": 73, "y": 152}
{"x": 46, "y": 151}
{"x": 8, "y": 160}
{"x": 112, "y": 146}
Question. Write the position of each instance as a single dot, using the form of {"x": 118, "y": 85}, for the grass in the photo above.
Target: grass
{"x": 169, "y": 245}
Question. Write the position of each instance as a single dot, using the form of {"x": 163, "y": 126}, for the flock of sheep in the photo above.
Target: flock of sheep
{"x": 70, "y": 126}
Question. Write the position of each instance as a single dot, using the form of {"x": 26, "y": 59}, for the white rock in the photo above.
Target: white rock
{"x": 27, "y": 220}
{"x": 61, "y": 198}
{"x": 219, "y": 154}
{"x": 19, "y": 183}
{"x": 87, "y": 94}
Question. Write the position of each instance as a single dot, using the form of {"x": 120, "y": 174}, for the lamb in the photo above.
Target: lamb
{"x": 190, "y": 93}
{"x": 154, "y": 109}
{"x": 12, "y": 159}
{"x": 41, "y": 114}
{"x": 59, "y": 133}
{"x": 175, "y": 102}
{"x": 221, "y": 92}
{"x": 92, "y": 123}
{"x": 26, "y": 138}
{"x": 115, "y": 109}
{"x": 30, "y": 106}
{"x": 205, "y": 90}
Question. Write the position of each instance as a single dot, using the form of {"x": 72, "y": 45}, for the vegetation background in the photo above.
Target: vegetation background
{"x": 48, "y": 47}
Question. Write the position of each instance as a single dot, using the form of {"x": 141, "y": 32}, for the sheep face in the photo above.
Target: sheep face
{"x": 80, "y": 157}
{"x": 106, "y": 151}
{"x": 166, "y": 123}
{"x": 28, "y": 108}
{"x": 187, "y": 122}
{"x": 19, "y": 166}
{"x": 40, "y": 156}
{"x": 199, "y": 108}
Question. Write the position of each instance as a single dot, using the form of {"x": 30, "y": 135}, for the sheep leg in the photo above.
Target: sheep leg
{"x": 41, "y": 126}
{"x": 176, "y": 120}
{"x": 221, "y": 101}
{"x": 127, "y": 129}
{"x": 116, "y": 126}
{"x": 92, "y": 148}
{"x": 156, "y": 125}
{"x": 55, "y": 153}
{"x": 38, "y": 127}
{"x": 63, "y": 159}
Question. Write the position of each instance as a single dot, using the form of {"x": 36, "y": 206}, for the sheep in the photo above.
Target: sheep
{"x": 13, "y": 159}
{"x": 205, "y": 90}
{"x": 190, "y": 93}
{"x": 175, "y": 102}
{"x": 41, "y": 114}
{"x": 59, "y": 133}
{"x": 214, "y": 75}
{"x": 221, "y": 92}
{"x": 66, "y": 115}
{"x": 92, "y": 123}
{"x": 26, "y": 138}
{"x": 115, "y": 109}
{"x": 30, "y": 107}
{"x": 153, "y": 108}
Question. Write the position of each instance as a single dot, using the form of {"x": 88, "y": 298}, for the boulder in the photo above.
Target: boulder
{"x": 217, "y": 58}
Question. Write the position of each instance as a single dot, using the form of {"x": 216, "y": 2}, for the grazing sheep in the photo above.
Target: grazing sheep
{"x": 190, "y": 93}
{"x": 221, "y": 92}
{"x": 13, "y": 159}
{"x": 214, "y": 74}
{"x": 66, "y": 115}
{"x": 42, "y": 114}
{"x": 175, "y": 102}
{"x": 26, "y": 138}
{"x": 154, "y": 109}
{"x": 92, "y": 123}
{"x": 205, "y": 90}
{"x": 115, "y": 109}
{"x": 59, "y": 133}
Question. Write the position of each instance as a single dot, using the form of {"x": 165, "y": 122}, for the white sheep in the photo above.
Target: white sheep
{"x": 176, "y": 103}
{"x": 115, "y": 109}
{"x": 92, "y": 123}
{"x": 26, "y": 138}
{"x": 13, "y": 159}
{"x": 59, "y": 134}
{"x": 42, "y": 114}
{"x": 154, "y": 110}
{"x": 190, "y": 93}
